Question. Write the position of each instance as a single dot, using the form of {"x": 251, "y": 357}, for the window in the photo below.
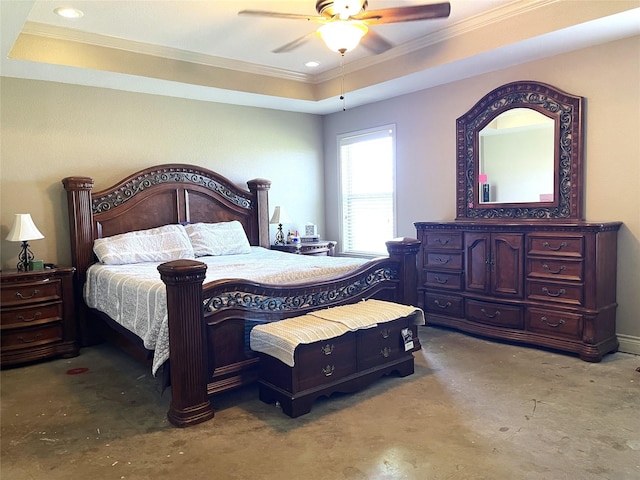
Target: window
{"x": 367, "y": 179}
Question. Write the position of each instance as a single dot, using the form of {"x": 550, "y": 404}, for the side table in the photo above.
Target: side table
{"x": 37, "y": 316}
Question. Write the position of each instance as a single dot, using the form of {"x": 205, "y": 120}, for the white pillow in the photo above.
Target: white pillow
{"x": 161, "y": 244}
{"x": 224, "y": 238}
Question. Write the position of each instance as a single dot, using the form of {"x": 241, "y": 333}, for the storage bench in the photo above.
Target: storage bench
{"x": 340, "y": 349}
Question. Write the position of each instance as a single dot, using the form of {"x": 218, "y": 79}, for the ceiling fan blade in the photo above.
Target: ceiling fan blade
{"x": 405, "y": 14}
{"x": 290, "y": 16}
{"x": 295, "y": 44}
{"x": 375, "y": 42}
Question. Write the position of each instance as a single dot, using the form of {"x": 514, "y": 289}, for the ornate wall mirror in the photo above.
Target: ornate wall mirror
{"x": 519, "y": 155}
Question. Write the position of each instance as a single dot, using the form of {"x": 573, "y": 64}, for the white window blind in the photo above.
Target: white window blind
{"x": 367, "y": 177}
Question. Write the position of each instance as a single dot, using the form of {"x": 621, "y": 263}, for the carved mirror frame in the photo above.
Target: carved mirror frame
{"x": 566, "y": 110}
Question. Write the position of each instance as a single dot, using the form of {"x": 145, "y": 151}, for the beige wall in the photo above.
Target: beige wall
{"x": 51, "y": 130}
{"x": 608, "y": 76}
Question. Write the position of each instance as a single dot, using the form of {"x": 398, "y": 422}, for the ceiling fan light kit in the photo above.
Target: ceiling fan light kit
{"x": 345, "y": 22}
{"x": 342, "y": 35}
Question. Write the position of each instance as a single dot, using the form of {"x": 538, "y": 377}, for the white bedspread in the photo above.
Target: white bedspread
{"x": 280, "y": 339}
{"x": 135, "y": 297}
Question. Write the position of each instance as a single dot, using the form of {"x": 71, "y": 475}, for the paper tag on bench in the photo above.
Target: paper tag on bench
{"x": 407, "y": 338}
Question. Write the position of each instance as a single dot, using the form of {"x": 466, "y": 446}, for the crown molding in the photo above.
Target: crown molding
{"x": 490, "y": 17}
{"x": 106, "y": 41}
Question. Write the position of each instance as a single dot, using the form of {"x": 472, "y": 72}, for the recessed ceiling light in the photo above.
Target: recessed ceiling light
{"x": 68, "y": 12}
{"x": 311, "y": 64}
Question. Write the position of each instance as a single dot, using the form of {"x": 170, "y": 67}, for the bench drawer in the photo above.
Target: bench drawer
{"x": 381, "y": 344}
{"x": 321, "y": 362}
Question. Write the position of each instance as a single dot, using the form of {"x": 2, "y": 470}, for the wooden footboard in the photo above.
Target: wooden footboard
{"x": 209, "y": 345}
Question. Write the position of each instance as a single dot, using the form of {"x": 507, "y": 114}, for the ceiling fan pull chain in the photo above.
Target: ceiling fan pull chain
{"x": 342, "y": 82}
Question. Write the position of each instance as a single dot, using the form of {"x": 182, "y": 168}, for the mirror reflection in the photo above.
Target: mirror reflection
{"x": 516, "y": 158}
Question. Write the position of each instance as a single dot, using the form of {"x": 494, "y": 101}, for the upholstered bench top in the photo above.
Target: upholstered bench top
{"x": 280, "y": 339}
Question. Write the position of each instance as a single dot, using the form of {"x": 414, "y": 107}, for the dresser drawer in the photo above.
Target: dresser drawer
{"x": 494, "y": 314}
{"x": 322, "y": 362}
{"x": 555, "y": 268}
{"x": 440, "y": 259}
{"x": 19, "y": 317}
{"x": 452, "y": 305}
{"x": 31, "y": 337}
{"x": 442, "y": 240}
{"x": 555, "y": 292}
{"x": 26, "y": 294}
{"x": 547, "y": 245}
{"x": 554, "y": 322}
{"x": 381, "y": 344}
{"x": 443, "y": 279}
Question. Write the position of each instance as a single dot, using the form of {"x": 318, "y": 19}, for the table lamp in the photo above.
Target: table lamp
{"x": 278, "y": 218}
{"x": 23, "y": 230}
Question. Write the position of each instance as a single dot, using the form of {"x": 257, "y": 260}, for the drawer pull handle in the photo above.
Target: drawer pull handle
{"x": 442, "y": 260}
{"x": 555, "y": 249}
{"x": 327, "y": 349}
{"x": 560, "y": 292}
{"x": 35, "y": 292}
{"x": 440, "y": 241}
{"x": 37, "y": 315}
{"x": 441, "y": 280}
{"x": 385, "y": 352}
{"x": 30, "y": 340}
{"x": 554, "y": 325}
{"x": 385, "y": 332}
{"x": 490, "y": 315}
{"x": 555, "y": 272}
{"x": 438, "y": 304}
{"x": 328, "y": 370}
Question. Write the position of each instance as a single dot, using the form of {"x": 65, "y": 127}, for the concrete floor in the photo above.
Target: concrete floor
{"x": 474, "y": 409}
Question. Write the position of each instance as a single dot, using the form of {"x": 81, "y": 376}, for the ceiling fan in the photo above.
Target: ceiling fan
{"x": 345, "y": 23}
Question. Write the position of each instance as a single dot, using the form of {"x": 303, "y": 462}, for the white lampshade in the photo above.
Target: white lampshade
{"x": 279, "y": 216}
{"x": 342, "y": 35}
{"x": 23, "y": 229}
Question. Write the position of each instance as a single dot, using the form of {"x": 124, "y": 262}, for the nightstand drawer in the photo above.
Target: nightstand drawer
{"x": 31, "y": 337}
{"x": 20, "y": 317}
{"x": 29, "y": 293}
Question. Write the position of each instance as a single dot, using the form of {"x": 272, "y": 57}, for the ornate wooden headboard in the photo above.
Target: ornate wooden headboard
{"x": 157, "y": 196}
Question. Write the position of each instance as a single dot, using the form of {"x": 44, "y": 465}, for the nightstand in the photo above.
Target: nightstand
{"x": 322, "y": 247}
{"x": 37, "y": 315}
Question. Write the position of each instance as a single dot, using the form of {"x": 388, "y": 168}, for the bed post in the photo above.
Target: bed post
{"x": 260, "y": 189}
{"x": 405, "y": 251}
{"x": 82, "y": 235}
{"x": 188, "y": 355}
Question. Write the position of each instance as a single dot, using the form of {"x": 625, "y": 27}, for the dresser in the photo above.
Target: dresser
{"x": 37, "y": 316}
{"x": 546, "y": 284}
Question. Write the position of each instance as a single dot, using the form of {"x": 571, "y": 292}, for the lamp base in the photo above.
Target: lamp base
{"x": 279, "y": 240}
{"x": 25, "y": 257}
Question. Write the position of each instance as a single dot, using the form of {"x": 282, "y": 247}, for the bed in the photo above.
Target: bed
{"x": 208, "y": 322}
